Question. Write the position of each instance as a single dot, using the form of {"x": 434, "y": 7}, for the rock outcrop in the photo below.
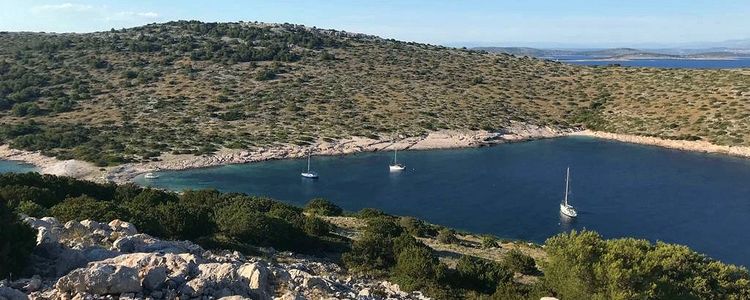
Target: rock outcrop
{"x": 91, "y": 260}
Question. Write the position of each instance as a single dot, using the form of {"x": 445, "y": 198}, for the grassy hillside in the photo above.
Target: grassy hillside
{"x": 191, "y": 87}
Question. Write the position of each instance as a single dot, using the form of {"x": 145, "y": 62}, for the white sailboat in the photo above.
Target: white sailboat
{"x": 150, "y": 175}
{"x": 309, "y": 174}
{"x": 395, "y": 166}
{"x": 565, "y": 208}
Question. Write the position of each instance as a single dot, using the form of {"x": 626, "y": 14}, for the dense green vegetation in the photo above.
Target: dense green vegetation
{"x": 578, "y": 265}
{"x": 192, "y": 87}
{"x": 212, "y": 219}
{"x": 581, "y": 265}
{"x": 16, "y": 241}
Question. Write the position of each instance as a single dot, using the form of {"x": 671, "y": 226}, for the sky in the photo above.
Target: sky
{"x": 533, "y": 23}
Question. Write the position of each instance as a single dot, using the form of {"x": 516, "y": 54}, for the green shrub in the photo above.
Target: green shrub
{"x": 373, "y": 253}
{"x": 415, "y": 268}
{"x": 13, "y": 195}
{"x": 489, "y": 242}
{"x": 184, "y": 221}
{"x": 288, "y": 213}
{"x": 85, "y": 207}
{"x": 315, "y": 226}
{"x": 518, "y": 262}
{"x": 26, "y": 109}
{"x": 241, "y": 222}
{"x": 265, "y": 74}
{"x": 383, "y": 227}
{"x": 31, "y": 209}
{"x": 582, "y": 265}
{"x": 447, "y": 236}
{"x": 370, "y": 254}
{"x": 480, "y": 274}
{"x": 368, "y": 213}
{"x": 416, "y": 227}
{"x": 16, "y": 242}
{"x": 322, "y": 207}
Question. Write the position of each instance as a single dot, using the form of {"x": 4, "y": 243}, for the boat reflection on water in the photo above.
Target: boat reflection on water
{"x": 567, "y": 223}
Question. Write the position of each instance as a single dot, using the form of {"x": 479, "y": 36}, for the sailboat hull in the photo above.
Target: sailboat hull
{"x": 396, "y": 168}
{"x": 311, "y": 175}
{"x": 568, "y": 210}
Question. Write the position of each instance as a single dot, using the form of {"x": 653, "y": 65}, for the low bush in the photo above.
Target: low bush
{"x": 415, "y": 268}
{"x": 480, "y": 275}
{"x": 416, "y": 227}
{"x": 489, "y": 242}
{"x": 322, "y": 207}
{"x": 85, "y": 207}
{"x": 316, "y": 226}
{"x": 447, "y": 236}
{"x": 368, "y": 213}
{"x": 518, "y": 262}
{"x": 32, "y": 209}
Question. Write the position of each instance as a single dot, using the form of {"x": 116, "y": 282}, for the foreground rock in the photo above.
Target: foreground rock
{"x": 90, "y": 260}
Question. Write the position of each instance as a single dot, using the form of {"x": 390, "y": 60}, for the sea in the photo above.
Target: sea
{"x": 513, "y": 191}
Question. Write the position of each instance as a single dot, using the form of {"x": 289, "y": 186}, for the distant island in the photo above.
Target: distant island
{"x": 621, "y": 53}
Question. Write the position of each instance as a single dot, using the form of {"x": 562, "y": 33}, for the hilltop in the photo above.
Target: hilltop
{"x": 188, "y": 87}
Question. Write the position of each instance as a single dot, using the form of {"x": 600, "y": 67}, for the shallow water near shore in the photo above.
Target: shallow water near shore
{"x": 7, "y": 166}
{"x": 513, "y": 190}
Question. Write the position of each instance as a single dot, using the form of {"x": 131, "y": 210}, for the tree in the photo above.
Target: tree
{"x": 17, "y": 240}
{"x": 581, "y": 265}
{"x": 415, "y": 268}
{"x": 569, "y": 267}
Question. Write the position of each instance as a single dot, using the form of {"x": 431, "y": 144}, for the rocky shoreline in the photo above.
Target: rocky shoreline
{"x": 683, "y": 145}
{"x": 91, "y": 260}
{"x": 444, "y": 139}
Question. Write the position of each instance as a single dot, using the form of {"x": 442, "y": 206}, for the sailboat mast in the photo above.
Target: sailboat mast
{"x": 308, "y": 163}
{"x": 395, "y": 151}
{"x": 567, "y": 179}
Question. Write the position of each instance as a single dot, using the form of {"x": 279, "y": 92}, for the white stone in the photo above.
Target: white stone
{"x": 122, "y": 226}
{"x": 100, "y": 280}
{"x": 91, "y": 225}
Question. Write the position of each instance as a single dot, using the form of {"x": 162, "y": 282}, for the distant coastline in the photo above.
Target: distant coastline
{"x": 635, "y": 58}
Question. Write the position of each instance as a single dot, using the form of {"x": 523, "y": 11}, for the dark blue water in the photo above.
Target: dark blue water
{"x": 664, "y": 63}
{"x": 15, "y": 167}
{"x": 513, "y": 190}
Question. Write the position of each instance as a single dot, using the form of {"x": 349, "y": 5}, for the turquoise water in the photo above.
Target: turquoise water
{"x": 513, "y": 190}
{"x": 15, "y": 167}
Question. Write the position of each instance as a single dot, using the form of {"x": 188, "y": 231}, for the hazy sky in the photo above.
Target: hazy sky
{"x": 594, "y": 23}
